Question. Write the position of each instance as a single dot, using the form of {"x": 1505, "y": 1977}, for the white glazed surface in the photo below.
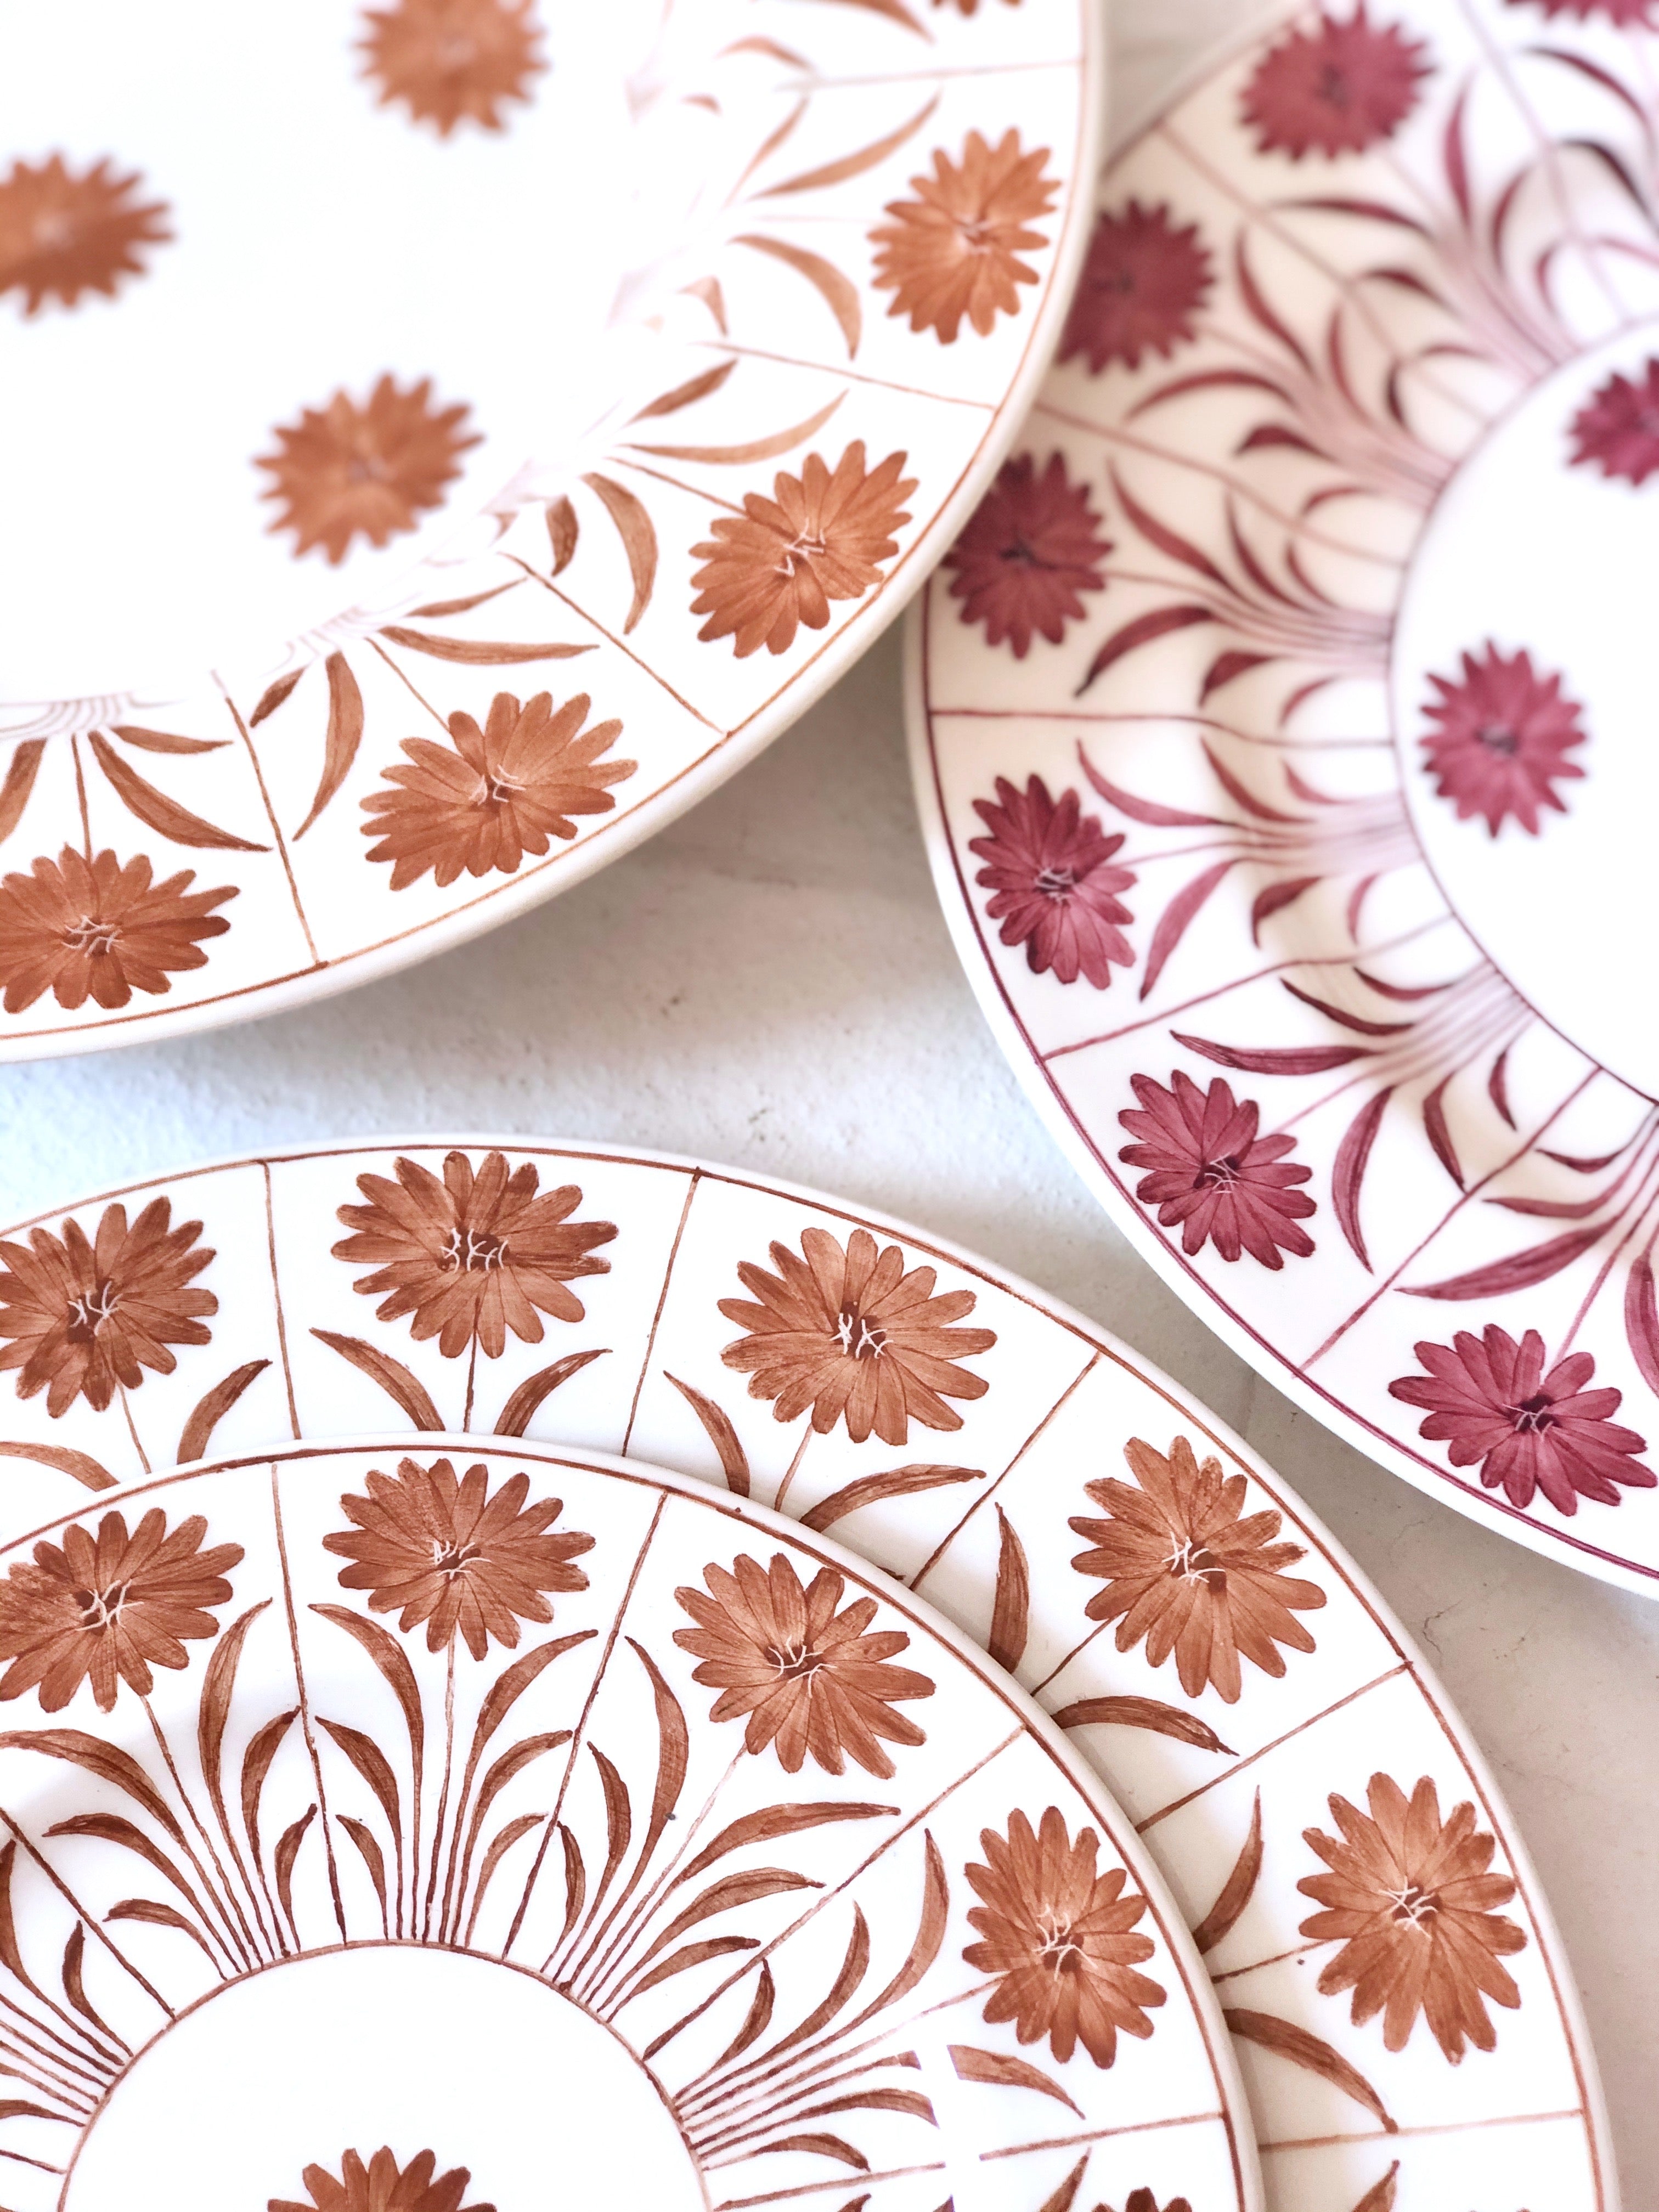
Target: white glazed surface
{"x": 770, "y": 985}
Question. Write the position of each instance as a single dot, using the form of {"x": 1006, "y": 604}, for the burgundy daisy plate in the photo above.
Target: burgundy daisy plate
{"x": 446, "y": 438}
{"x": 1279, "y": 723}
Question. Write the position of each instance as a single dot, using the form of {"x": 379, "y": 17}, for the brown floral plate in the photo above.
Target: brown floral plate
{"x": 666, "y": 1848}
{"x": 1404, "y": 2014}
{"x": 1269, "y": 720}
{"x": 397, "y": 530}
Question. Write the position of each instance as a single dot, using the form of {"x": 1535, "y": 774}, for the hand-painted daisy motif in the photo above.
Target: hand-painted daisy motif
{"x": 383, "y": 2185}
{"x": 100, "y": 928}
{"x": 810, "y": 1676}
{"x": 954, "y": 249}
{"x": 453, "y": 61}
{"x": 435, "y": 1549}
{"x": 109, "y": 1607}
{"x": 825, "y": 535}
{"x": 1061, "y": 1939}
{"x": 851, "y": 1332}
{"x": 1504, "y": 731}
{"x": 1413, "y": 1902}
{"x": 1055, "y": 886}
{"x": 1342, "y": 86}
{"x": 86, "y": 1316}
{"x": 346, "y": 472}
{"x": 480, "y": 803}
{"x": 1187, "y": 1570}
{"x": 1032, "y": 545}
{"x": 483, "y": 1251}
{"x": 1617, "y": 429}
{"x": 1207, "y": 1170}
{"x": 1143, "y": 288}
{"x": 1491, "y": 1401}
{"x": 63, "y": 235}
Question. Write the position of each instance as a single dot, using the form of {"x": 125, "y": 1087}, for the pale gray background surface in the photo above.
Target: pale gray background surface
{"x": 769, "y": 985}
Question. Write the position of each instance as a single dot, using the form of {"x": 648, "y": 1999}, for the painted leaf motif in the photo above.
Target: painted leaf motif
{"x": 1176, "y": 919}
{"x": 1001, "y": 2069}
{"x": 273, "y": 696}
{"x": 562, "y": 532}
{"x": 20, "y": 772}
{"x": 688, "y": 394}
{"x": 1439, "y": 1134}
{"x": 1286, "y": 2041}
{"x": 717, "y": 1426}
{"x": 1519, "y": 1272}
{"x": 405, "y": 1390}
{"x": 1237, "y": 1891}
{"x": 162, "y": 741}
{"x": 79, "y": 1466}
{"x": 772, "y": 1821}
{"x": 1275, "y": 898}
{"x": 344, "y": 735}
{"x": 1348, "y": 1173}
{"x": 839, "y": 295}
{"x": 527, "y": 1400}
{"x": 212, "y": 1408}
{"x": 871, "y": 1489}
{"x": 262, "y": 1747}
{"x": 1144, "y": 1713}
{"x": 1277, "y": 1060}
{"x": 287, "y": 1853}
{"x": 477, "y": 652}
{"x": 1066, "y": 2196}
{"x": 213, "y": 1714}
{"x": 159, "y": 812}
{"x": 1143, "y": 629}
{"x": 757, "y": 449}
{"x": 1642, "y": 1320}
{"x": 639, "y": 538}
{"x": 1380, "y": 2197}
{"x": 1012, "y": 1611}
{"x": 75, "y": 1988}
{"x": 107, "y": 1762}
{"x": 154, "y": 1915}
{"x": 867, "y": 157}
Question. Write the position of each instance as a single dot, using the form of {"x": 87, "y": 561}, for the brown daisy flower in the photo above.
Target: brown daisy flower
{"x": 342, "y": 471}
{"x": 383, "y": 2185}
{"x": 1341, "y": 86}
{"x": 1504, "y": 731}
{"x": 809, "y": 1679}
{"x": 1412, "y": 1902}
{"x": 449, "y": 1554}
{"x": 109, "y": 1607}
{"x": 491, "y": 795}
{"x": 954, "y": 250}
{"x": 62, "y": 235}
{"x": 1209, "y": 1170}
{"x": 1142, "y": 289}
{"x": 473, "y": 1256}
{"x": 1060, "y": 1939}
{"x": 1031, "y": 546}
{"x": 1188, "y": 1571}
{"x": 86, "y": 1316}
{"x": 778, "y": 564}
{"x": 450, "y": 61}
{"x": 850, "y": 1334}
{"x": 100, "y": 929}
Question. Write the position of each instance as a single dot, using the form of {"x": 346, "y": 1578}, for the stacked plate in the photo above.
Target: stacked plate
{"x": 542, "y": 1673}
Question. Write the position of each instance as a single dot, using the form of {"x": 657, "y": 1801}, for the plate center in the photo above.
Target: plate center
{"x": 390, "y": 2048}
{"x": 1524, "y": 705}
{"x": 282, "y": 301}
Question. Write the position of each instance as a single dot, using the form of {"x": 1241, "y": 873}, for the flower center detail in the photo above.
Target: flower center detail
{"x": 498, "y": 789}
{"x": 101, "y": 1609}
{"x": 858, "y": 1337}
{"x": 453, "y": 1559}
{"x": 1218, "y": 1175}
{"x": 92, "y": 936}
{"x": 1055, "y": 1949}
{"x": 456, "y": 53}
{"x": 1191, "y": 1562}
{"x": 1412, "y": 1905}
{"x": 1056, "y": 884}
{"x": 472, "y": 1252}
{"x": 89, "y": 1310}
{"x": 976, "y": 232}
{"x": 54, "y": 229}
{"x": 1533, "y": 1415}
{"x": 1498, "y": 739}
{"x": 801, "y": 554}
{"x": 1334, "y": 88}
{"x": 795, "y": 1663}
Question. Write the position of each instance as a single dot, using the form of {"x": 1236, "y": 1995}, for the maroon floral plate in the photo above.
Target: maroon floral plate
{"x": 395, "y": 532}
{"x": 1403, "y": 2014}
{"x": 1281, "y": 728}
{"x": 383, "y": 1816}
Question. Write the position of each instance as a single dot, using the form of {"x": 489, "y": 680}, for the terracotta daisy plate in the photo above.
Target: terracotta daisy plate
{"x": 395, "y": 534}
{"x": 1404, "y": 2016}
{"x": 1280, "y": 726}
{"x": 399, "y": 1831}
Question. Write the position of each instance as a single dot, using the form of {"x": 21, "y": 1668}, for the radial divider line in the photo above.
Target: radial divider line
{"x": 662, "y": 1301}
{"x": 277, "y": 1296}
{"x": 1428, "y": 2128}
{"x": 304, "y": 1696}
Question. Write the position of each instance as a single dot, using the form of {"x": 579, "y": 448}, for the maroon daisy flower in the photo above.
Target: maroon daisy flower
{"x": 1490, "y": 1402}
{"x": 1034, "y": 543}
{"x": 1339, "y": 88}
{"x": 1054, "y": 887}
{"x": 1618, "y": 426}
{"x": 1208, "y": 1170}
{"x": 1625, "y": 14}
{"x": 1505, "y": 732}
{"x": 1146, "y": 281}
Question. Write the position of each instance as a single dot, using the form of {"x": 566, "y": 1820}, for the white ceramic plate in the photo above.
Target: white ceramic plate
{"x": 1287, "y": 798}
{"x": 582, "y": 1823}
{"x": 374, "y": 378}
{"x": 955, "y": 1427}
